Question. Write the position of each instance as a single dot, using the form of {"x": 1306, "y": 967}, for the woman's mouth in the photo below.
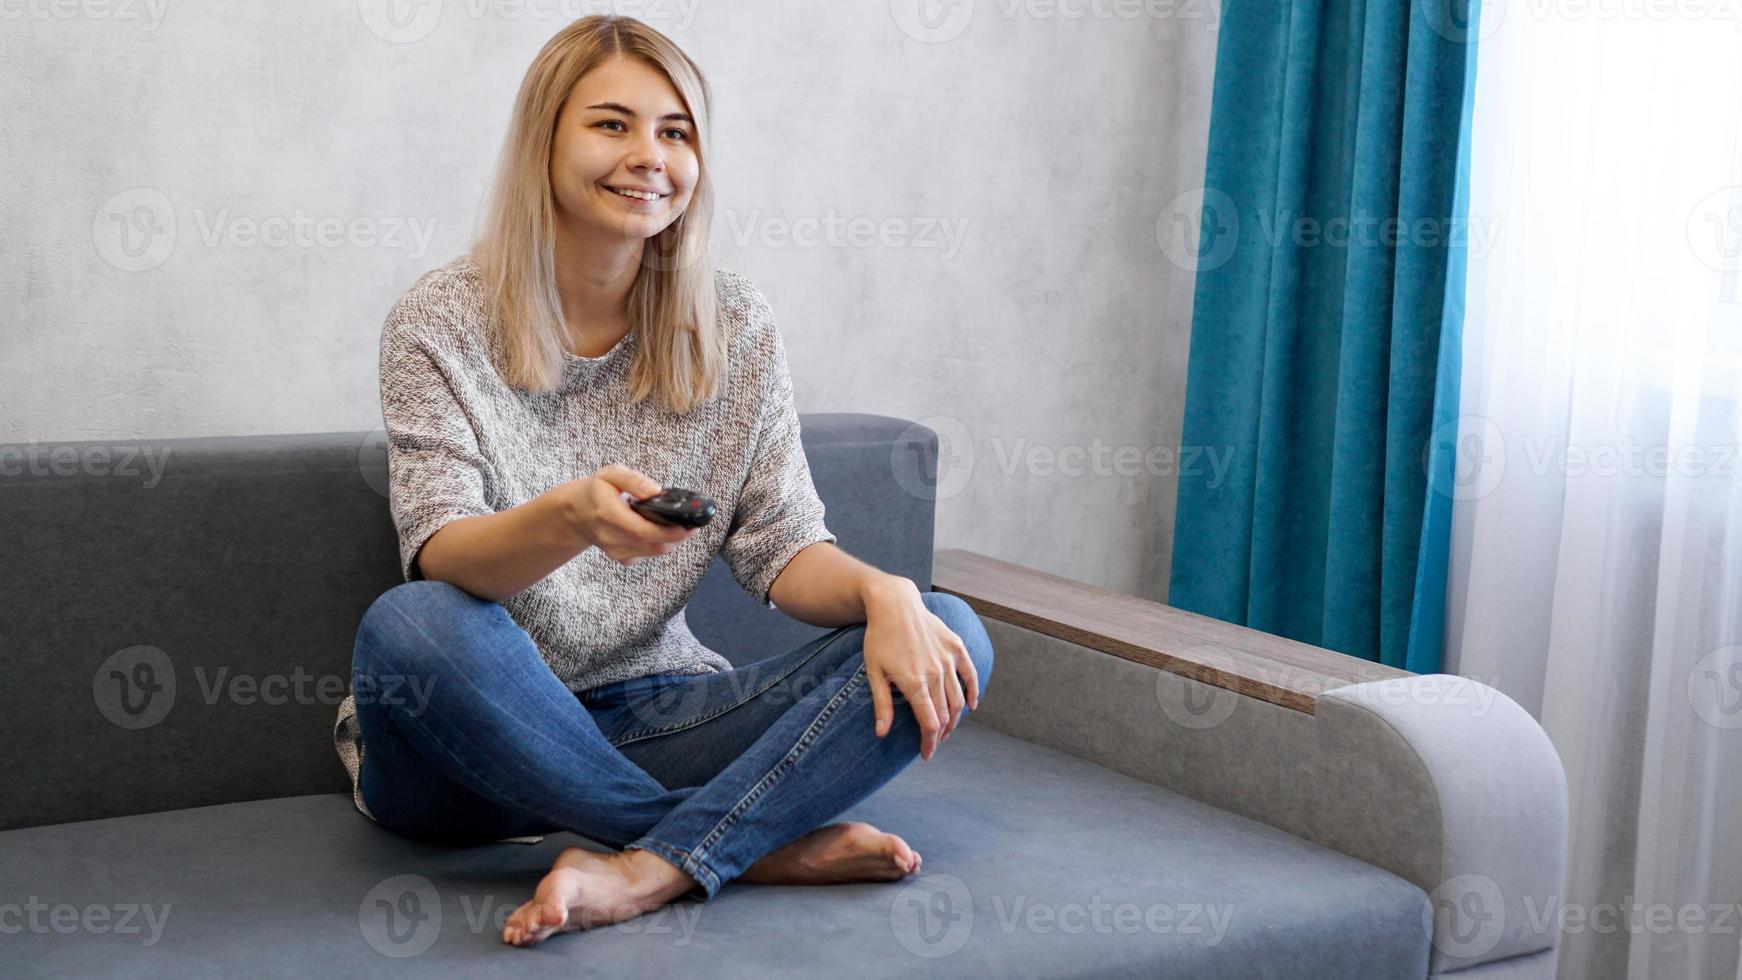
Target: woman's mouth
{"x": 637, "y": 197}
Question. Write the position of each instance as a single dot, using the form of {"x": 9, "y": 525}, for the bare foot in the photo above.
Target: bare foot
{"x": 839, "y": 852}
{"x": 585, "y": 889}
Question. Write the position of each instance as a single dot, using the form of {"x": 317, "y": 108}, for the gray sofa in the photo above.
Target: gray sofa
{"x": 178, "y": 619}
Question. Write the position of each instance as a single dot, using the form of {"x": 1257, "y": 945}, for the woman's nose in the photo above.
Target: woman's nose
{"x": 646, "y": 155}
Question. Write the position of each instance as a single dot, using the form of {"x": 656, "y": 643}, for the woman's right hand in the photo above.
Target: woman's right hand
{"x": 606, "y": 520}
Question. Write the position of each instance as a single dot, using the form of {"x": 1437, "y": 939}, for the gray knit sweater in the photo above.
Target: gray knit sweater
{"x": 462, "y": 442}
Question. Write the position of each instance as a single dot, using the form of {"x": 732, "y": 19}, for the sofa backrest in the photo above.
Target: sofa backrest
{"x": 178, "y": 616}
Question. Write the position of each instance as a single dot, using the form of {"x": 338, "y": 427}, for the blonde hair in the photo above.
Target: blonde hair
{"x": 680, "y": 348}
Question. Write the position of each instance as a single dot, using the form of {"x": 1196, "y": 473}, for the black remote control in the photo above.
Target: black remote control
{"x": 682, "y": 508}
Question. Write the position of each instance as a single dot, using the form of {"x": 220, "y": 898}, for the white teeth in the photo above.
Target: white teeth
{"x": 638, "y": 195}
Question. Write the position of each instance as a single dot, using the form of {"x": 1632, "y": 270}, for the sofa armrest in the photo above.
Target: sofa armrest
{"x": 1441, "y": 780}
{"x": 1448, "y": 783}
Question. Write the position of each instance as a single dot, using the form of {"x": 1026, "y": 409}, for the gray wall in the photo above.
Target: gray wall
{"x": 209, "y": 208}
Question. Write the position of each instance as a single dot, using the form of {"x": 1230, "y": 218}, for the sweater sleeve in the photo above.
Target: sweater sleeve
{"x": 435, "y": 471}
{"x": 778, "y": 513}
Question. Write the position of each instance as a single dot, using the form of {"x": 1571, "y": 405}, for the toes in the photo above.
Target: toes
{"x": 531, "y": 923}
{"x": 898, "y": 849}
{"x": 547, "y": 917}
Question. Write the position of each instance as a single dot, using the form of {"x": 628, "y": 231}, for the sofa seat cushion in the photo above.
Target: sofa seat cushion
{"x": 1036, "y": 864}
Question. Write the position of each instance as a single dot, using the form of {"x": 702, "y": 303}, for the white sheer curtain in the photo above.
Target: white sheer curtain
{"x": 1597, "y": 534}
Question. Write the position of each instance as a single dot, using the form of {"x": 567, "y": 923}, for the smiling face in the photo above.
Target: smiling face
{"x": 624, "y": 127}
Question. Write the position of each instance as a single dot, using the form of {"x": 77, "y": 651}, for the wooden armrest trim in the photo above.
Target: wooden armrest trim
{"x": 1239, "y": 659}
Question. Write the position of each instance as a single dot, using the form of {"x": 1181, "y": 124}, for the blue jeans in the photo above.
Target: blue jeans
{"x": 469, "y": 737}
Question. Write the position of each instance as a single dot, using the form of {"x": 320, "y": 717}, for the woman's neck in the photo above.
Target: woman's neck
{"x": 593, "y": 280}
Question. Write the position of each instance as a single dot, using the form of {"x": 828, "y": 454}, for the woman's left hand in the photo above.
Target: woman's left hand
{"x": 908, "y": 645}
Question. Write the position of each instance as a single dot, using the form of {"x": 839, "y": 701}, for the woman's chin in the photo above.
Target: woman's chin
{"x": 633, "y": 227}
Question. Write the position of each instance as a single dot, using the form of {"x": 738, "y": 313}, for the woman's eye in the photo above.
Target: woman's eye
{"x": 618, "y": 122}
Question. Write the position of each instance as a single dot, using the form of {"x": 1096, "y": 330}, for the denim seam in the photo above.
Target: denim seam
{"x": 691, "y": 865}
{"x": 641, "y": 733}
{"x": 786, "y": 763}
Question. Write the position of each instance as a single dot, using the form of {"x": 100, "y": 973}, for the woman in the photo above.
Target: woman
{"x": 535, "y": 672}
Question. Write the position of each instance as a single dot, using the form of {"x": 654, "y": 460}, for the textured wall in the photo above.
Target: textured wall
{"x": 209, "y": 208}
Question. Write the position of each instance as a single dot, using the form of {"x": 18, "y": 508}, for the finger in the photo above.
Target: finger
{"x": 880, "y": 700}
{"x": 970, "y": 678}
{"x": 920, "y": 700}
{"x": 940, "y": 702}
{"x": 634, "y": 482}
{"x": 953, "y": 691}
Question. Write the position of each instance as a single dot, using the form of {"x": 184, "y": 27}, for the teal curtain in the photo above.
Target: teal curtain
{"x": 1326, "y": 325}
